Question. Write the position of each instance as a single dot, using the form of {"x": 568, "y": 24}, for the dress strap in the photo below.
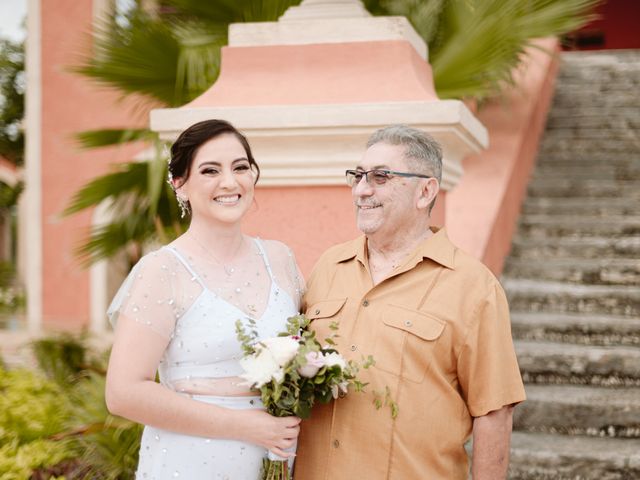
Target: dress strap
{"x": 263, "y": 254}
{"x": 186, "y": 265}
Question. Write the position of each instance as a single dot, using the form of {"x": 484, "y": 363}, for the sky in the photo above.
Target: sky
{"x": 12, "y": 13}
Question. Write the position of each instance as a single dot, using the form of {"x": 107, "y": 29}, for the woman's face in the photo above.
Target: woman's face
{"x": 220, "y": 186}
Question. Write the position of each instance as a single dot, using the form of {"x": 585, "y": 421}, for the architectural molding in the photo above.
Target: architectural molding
{"x": 313, "y": 144}
{"x": 319, "y": 31}
{"x": 326, "y": 9}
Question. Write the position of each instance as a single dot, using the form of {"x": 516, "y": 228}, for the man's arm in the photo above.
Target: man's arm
{"x": 491, "y": 441}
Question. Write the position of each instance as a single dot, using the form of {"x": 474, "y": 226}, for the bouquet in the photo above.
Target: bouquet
{"x": 292, "y": 372}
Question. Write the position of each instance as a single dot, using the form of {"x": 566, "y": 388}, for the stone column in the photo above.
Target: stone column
{"x": 308, "y": 90}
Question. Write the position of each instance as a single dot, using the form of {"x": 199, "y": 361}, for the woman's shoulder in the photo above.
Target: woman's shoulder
{"x": 275, "y": 248}
{"x": 160, "y": 260}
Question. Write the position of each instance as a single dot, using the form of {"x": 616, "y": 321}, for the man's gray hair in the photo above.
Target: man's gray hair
{"x": 421, "y": 150}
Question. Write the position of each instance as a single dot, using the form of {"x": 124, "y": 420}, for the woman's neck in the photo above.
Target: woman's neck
{"x": 224, "y": 240}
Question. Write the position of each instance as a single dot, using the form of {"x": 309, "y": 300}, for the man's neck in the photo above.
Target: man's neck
{"x": 388, "y": 253}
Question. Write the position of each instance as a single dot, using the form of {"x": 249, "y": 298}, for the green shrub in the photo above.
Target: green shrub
{"x": 31, "y": 406}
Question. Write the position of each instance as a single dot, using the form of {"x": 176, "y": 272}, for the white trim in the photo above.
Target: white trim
{"x": 314, "y": 144}
{"x": 98, "y": 279}
{"x": 33, "y": 167}
{"x": 321, "y": 31}
{"x": 326, "y": 9}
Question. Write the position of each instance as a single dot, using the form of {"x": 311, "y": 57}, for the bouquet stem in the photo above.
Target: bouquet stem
{"x": 275, "y": 470}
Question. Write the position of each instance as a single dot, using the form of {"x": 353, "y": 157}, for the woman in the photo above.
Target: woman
{"x": 176, "y": 314}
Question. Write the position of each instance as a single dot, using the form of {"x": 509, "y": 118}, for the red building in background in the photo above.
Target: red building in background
{"x": 616, "y": 27}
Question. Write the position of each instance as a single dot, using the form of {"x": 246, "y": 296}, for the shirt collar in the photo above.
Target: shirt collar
{"x": 437, "y": 247}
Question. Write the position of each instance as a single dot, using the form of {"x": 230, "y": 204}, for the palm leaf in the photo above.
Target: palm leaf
{"x": 230, "y": 11}
{"x": 483, "y": 41}
{"x": 130, "y": 179}
{"x": 139, "y": 57}
{"x": 113, "y": 136}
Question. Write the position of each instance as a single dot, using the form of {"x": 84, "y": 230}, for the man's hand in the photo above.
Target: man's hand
{"x": 491, "y": 440}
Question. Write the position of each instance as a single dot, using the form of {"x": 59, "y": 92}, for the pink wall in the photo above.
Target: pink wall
{"x": 482, "y": 211}
{"x": 329, "y": 73}
{"x": 70, "y": 104}
{"x": 310, "y": 219}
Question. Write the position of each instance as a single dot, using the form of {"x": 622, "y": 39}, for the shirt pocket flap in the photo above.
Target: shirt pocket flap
{"x": 420, "y": 324}
{"x": 325, "y": 309}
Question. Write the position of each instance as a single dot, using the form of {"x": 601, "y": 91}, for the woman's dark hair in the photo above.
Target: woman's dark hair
{"x": 186, "y": 146}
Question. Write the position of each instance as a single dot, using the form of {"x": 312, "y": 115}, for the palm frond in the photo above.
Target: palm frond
{"x": 137, "y": 58}
{"x": 483, "y": 41}
{"x": 129, "y": 179}
{"x": 108, "y": 137}
{"x": 105, "y": 241}
{"x": 230, "y": 11}
{"x": 424, "y": 16}
{"x": 198, "y": 63}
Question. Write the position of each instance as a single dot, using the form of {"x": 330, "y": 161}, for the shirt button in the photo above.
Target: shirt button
{"x": 408, "y": 323}
{"x": 336, "y": 443}
{"x": 317, "y": 311}
{"x": 365, "y": 303}
{"x": 353, "y": 348}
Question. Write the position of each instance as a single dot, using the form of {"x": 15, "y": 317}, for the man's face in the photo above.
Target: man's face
{"x": 391, "y": 209}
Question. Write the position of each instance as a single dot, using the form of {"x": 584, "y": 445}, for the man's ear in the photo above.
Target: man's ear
{"x": 428, "y": 192}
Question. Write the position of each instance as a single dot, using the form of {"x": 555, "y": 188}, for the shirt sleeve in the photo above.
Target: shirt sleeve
{"x": 148, "y": 296}
{"x": 488, "y": 369}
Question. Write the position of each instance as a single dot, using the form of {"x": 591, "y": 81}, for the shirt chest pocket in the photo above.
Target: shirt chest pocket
{"x": 406, "y": 343}
{"x": 323, "y": 314}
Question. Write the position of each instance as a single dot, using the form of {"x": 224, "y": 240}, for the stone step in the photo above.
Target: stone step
{"x": 527, "y": 295}
{"x": 610, "y": 99}
{"x": 543, "y": 225}
{"x": 586, "y": 247}
{"x": 619, "y": 86}
{"x": 591, "y": 271}
{"x": 566, "y": 363}
{"x": 580, "y": 410}
{"x": 538, "y": 456}
{"x": 586, "y": 159}
{"x": 577, "y": 113}
{"x": 628, "y": 145}
{"x": 573, "y": 133}
{"x": 583, "y": 329}
{"x": 556, "y": 121}
{"x": 568, "y": 187}
{"x": 580, "y": 206}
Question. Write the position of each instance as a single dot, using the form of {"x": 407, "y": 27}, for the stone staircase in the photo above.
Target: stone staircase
{"x": 573, "y": 280}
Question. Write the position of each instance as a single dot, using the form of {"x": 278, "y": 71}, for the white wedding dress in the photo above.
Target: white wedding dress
{"x": 194, "y": 302}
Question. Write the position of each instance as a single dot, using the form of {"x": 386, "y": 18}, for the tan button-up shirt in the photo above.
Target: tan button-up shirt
{"x": 439, "y": 331}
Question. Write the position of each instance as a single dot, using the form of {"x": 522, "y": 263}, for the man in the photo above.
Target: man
{"x": 436, "y": 322}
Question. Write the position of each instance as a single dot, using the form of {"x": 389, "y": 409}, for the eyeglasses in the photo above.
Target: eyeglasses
{"x": 377, "y": 177}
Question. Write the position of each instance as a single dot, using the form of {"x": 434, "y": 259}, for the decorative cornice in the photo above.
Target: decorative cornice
{"x": 319, "y": 31}
{"x": 314, "y": 144}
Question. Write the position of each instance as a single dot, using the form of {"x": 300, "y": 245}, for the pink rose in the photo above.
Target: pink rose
{"x": 315, "y": 361}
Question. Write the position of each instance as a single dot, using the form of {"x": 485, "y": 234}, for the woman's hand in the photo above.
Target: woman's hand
{"x": 273, "y": 433}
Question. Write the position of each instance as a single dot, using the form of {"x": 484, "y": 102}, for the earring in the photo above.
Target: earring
{"x": 184, "y": 206}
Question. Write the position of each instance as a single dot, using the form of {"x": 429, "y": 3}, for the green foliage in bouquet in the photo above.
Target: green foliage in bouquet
{"x": 295, "y": 394}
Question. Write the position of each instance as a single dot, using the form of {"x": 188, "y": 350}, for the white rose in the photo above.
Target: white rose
{"x": 283, "y": 349}
{"x": 333, "y": 358}
{"x": 260, "y": 369}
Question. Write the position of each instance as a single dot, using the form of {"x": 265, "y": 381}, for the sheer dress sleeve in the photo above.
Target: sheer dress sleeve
{"x": 286, "y": 270}
{"x": 153, "y": 294}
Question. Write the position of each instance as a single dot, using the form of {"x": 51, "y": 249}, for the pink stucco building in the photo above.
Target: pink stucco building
{"x": 307, "y": 118}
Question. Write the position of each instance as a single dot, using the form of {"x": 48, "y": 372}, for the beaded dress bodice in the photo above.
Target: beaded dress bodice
{"x": 202, "y": 353}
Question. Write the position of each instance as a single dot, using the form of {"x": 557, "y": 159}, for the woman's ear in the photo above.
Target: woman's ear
{"x": 428, "y": 193}
{"x": 178, "y": 187}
